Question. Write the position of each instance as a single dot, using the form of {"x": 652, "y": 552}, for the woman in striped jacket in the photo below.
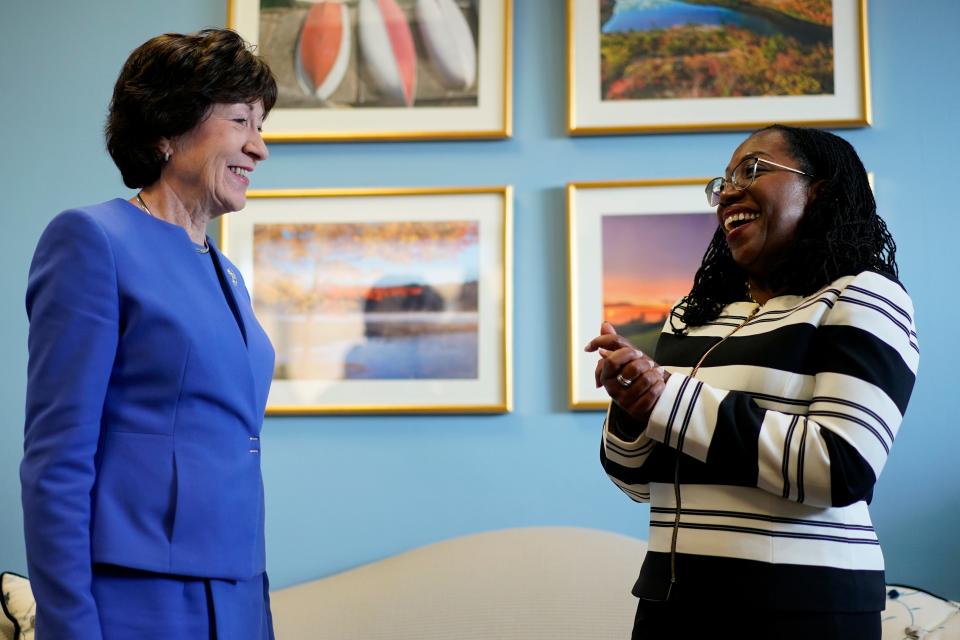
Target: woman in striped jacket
{"x": 759, "y": 427}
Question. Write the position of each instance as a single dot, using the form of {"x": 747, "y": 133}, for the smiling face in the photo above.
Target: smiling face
{"x": 209, "y": 164}
{"x": 760, "y": 222}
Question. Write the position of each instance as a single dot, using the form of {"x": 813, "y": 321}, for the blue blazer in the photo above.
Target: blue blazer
{"x": 147, "y": 382}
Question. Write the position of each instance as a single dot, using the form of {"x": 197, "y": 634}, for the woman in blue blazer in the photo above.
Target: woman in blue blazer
{"x": 148, "y": 372}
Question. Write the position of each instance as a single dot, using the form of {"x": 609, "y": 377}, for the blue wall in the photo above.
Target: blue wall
{"x": 343, "y": 491}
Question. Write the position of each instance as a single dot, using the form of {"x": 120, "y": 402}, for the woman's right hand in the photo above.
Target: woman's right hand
{"x": 632, "y": 379}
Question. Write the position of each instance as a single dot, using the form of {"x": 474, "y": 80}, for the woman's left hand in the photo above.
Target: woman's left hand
{"x": 632, "y": 379}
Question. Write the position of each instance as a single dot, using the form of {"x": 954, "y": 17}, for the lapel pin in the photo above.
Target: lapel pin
{"x": 233, "y": 276}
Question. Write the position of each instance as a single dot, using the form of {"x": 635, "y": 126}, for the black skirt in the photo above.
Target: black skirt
{"x": 656, "y": 620}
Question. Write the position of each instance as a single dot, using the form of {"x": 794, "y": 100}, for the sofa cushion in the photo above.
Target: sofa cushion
{"x": 554, "y": 583}
{"x": 19, "y": 609}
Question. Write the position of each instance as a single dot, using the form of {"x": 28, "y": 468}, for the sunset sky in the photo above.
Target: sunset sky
{"x": 649, "y": 261}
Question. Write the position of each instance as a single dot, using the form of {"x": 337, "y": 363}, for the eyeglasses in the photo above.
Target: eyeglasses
{"x": 742, "y": 177}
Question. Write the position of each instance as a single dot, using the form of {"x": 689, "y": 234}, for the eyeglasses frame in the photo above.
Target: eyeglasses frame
{"x": 713, "y": 192}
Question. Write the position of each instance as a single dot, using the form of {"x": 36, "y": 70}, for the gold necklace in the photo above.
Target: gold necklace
{"x": 143, "y": 205}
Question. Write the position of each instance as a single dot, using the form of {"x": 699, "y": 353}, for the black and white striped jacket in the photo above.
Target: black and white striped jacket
{"x": 783, "y": 433}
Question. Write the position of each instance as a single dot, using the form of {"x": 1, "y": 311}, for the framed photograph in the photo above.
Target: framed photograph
{"x": 381, "y": 300}
{"x": 634, "y": 248}
{"x": 651, "y": 67}
{"x": 383, "y": 69}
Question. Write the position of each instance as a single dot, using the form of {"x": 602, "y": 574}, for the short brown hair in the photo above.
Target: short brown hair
{"x": 166, "y": 88}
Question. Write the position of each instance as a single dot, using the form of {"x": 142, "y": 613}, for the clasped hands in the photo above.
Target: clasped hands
{"x": 631, "y": 379}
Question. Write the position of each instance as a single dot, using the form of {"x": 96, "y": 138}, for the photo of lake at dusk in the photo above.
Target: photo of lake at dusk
{"x": 391, "y": 300}
{"x": 656, "y": 49}
{"x": 648, "y": 264}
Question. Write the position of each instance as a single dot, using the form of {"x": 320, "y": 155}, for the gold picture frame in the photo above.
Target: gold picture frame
{"x": 633, "y": 249}
{"x": 365, "y": 70}
{"x": 392, "y": 300}
{"x": 737, "y": 69}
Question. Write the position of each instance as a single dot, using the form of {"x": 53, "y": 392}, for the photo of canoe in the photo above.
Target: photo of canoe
{"x": 392, "y": 300}
{"x": 661, "y": 49}
{"x": 648, "y": 264}
{"x": 371, "y": 53}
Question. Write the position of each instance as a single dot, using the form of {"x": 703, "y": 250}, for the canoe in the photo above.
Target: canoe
{"x": 323, "y": 49}
{"x": 386, "y": 44}
{"x": 449, "y": 42}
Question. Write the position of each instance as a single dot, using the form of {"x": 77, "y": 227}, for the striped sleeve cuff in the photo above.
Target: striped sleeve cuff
{"x": 626, "y": 450}
{"x": 685, "y": 416}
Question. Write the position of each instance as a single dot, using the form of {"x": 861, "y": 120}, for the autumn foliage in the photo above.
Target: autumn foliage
{"x": 327, "y": 268}
{"x": 816, "y": 11}
{"x": 704, "y": 61}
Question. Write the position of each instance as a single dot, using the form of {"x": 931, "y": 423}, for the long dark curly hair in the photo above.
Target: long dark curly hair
{"x": 839, "y": 234}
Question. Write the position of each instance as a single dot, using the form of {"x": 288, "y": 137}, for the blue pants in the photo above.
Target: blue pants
{"x": 138, "y": 605}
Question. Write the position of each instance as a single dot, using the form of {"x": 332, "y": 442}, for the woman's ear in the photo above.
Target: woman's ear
{"x": 165, "y": 147}
{"x": 813, "y": 190}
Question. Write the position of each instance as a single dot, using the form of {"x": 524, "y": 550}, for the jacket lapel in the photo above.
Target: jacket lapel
{"x": 230, "y": 283}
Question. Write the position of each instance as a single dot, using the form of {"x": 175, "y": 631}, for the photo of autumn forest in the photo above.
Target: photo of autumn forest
{"x": 662, "y": 49}
{"x": 648, "y": 264}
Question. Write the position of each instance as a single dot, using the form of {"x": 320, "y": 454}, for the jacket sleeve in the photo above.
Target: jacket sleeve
{"x": 72, "y": 306}
{"x": 865, "y": 358}
{"x": 624, "y": 451}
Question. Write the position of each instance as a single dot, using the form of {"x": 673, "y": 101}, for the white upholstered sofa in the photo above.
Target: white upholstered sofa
{"x": 543, "y": 583}
{"x": 527, "y": 584}
{"x": 553, "y": 583}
